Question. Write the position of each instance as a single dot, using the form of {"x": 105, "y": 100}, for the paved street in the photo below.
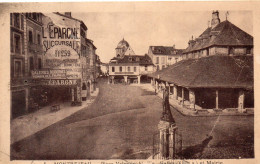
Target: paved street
{"x": 121, "y": 123}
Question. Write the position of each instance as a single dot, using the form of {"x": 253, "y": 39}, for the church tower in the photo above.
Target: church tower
{"x": 123, "y": 48}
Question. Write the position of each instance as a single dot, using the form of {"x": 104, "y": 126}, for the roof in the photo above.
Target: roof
{"x": 122, "y": 43}
{"x": 82, "y": 23}
{"x": 210, "y": 72}
{"x": 91, "y": 42}
{"x": 164, "y": 50}
{"x": 139, "y": 59}
{"x": 224, "y": 34}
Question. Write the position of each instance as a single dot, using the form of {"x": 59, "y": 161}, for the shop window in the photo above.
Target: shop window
{"x": 17, "y": 68}
{"x": 17, "y": 43}
{"x": 30, "y": 37}
{"x": 113, "y": 69}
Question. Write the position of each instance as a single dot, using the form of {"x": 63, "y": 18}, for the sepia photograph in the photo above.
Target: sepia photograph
{"x": 130, "y": 85}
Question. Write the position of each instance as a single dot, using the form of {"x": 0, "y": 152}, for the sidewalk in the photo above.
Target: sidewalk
{"x": 198, "y": 112}
{"x": 26, "y": 125}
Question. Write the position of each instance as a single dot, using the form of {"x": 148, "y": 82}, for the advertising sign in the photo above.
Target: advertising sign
{"x": 61, "y": 44}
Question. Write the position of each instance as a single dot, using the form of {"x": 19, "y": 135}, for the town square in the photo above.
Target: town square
{"x": 89, "y": 85}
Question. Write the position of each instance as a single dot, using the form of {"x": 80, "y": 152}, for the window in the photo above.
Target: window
{"x": 11, "y": 18}
{"x": 134, "y": 69}
{"x": 157, "y": 68}
{"x": 34, "y": 16}
{"x": 120, "y": 69}
{"x": 39, "y": 39}
{"x": 113, "y": 69}
{"x": 248, "y": 51}
{"x": 163, "y": 60}
{"x": 30, "y": 37}
{"x": 31, "y": 63}
{"x": 128, "y": 69}
{"x": 157, "y": 60}
{"x": 17, "y": 68}
{"x": 17, "y": 20}
{"x": 17, "y": 43}
{"x": 39, "y": 63}
{"x": 145, "y": 67}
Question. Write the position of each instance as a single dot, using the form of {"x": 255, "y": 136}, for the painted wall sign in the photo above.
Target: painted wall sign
{"x": 61, "y": 44}
{"x": 56, "y": 73}
{"x": 59, "y": 82}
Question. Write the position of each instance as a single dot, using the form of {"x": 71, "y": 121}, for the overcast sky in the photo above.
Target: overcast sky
{"x": 143, "y": 29}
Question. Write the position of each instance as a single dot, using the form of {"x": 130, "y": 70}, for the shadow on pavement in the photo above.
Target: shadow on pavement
{"x": 190, "y": 152}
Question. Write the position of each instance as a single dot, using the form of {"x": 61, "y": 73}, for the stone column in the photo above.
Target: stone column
{"x": 72, "y": 95}
{"x": 108, "y": 80}
{"x": 27, "y": 95}
{"x": 113, "y": 79}
{"x": 163, "y": 127}
{"x": 175, "y": 92}
{"x": 139, "y": 79}
{"x": 125, "y": 77}
{"x": 216, "y": 99}
{"x": 182, "y": 96}
{"x": 192, "y": 99}
{"x": 172, "y": 132}
{"x": 241, "y": 100}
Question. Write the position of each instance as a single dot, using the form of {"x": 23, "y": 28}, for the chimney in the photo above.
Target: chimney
{"x": 215, "y": 19}
{"x": 68, "y": 14}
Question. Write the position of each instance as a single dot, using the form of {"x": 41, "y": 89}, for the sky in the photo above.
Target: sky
{"x": 144, "y": 29}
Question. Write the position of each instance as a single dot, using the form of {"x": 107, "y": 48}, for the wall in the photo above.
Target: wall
{"x": 124, "y": 69}
{"x": 221, "y": 50}
{"x": 239, "y": 51}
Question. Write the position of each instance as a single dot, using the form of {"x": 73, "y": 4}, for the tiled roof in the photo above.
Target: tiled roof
{"x": 140, "y": 59}
{"x": 210, "y": 72}
{"x": 224, "y": 34}
{"x": 164, "y": 50}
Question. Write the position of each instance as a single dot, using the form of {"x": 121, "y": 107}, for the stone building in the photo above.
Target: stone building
{"x": 128, "y": 67}
{"x": 163, "y": 56}
{"x": 217, "y": 73}
{"x": 51, "y": 61}
{"x": 26, "y": 56}
{"x": 223, "y": 38}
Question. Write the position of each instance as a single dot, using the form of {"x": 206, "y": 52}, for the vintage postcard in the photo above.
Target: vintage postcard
{"x": 129, "y": 82}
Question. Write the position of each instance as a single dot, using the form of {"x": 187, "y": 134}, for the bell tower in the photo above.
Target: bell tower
{"x": 215, "y": 19}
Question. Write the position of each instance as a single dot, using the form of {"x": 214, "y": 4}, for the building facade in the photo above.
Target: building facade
{"x": 163, "y": 56}
{"x": 222, "y": 38}
{"x": 216, "y": 73}
{"x": 50, "y": 61}
{"x": 129, "y": 68}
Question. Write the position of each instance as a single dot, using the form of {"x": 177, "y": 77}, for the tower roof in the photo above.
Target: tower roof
{"x": 123, "y": 43}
